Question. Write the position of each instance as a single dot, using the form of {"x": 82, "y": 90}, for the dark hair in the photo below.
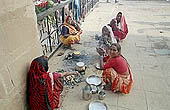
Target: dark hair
{"x": 119, "y": 50}
{"x": 104, "y": 27}
{"x": 119, "y": 13}
{"x": 117, "y": 46}
{"x": 43, "y": 60}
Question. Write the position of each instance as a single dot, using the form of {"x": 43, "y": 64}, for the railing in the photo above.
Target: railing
{"x": 50, "y": 20}
{"x": 49, "y": 27}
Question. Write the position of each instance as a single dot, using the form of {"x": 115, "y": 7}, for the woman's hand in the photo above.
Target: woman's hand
{"x": 114, "y": 27}
{"x": 69, "y": 73}
{"x": 74, "y": 33}
{"x": 64, "y": 74}
{"x": 73, "y": 22}
{"x": 74, "y": 73}
{"x": 100, "y": 51}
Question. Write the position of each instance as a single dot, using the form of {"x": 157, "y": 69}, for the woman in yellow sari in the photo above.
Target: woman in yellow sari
{"x": 70, "y": 32}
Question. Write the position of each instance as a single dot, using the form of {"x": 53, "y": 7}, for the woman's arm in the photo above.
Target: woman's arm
{"x": 101, "y": 53}
{"x": 76, "y": 25}
{"x": 101, "y": 62}
{"x": 68, "y": 73}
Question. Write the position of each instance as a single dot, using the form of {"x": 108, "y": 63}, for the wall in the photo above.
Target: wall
{"x": 19, "y": 44}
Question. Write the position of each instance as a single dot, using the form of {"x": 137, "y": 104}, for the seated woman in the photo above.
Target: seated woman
{"x": 70, "y": 32}
{"x": 116, "y": 71}
{"x": 119, "y": 26}
{"x": 44, "y": 88}
{"x": 106, "y": 39}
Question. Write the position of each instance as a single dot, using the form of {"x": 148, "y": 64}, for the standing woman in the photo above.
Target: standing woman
{"x": 116, "y": 71}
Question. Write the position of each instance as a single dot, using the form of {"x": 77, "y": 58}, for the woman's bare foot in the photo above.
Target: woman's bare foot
{"x": 78, "y": 43}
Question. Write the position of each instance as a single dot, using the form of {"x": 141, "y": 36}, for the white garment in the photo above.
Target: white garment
{"x": 112, "y": 35}
{"x": 52, "y": 80}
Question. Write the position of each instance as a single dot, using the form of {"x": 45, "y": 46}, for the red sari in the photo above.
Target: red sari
{"x": 41, "y": 95}
{"x": 121, "y": 82}
{"x": 122, "y": 32}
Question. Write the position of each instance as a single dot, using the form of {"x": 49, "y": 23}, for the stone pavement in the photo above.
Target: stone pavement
{"x": 147, "y": 49}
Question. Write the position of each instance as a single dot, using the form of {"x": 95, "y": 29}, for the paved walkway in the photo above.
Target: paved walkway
{"x": 146, "y": 48}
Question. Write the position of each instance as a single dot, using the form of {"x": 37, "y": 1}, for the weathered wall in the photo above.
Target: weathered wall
{"x": 19, "y": 44}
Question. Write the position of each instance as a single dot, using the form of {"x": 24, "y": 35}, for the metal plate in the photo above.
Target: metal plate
{"x": 97, "y": 105}
{"x": 94, "y": 80}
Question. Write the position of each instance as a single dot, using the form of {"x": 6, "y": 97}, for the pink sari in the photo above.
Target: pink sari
{"x": 121, "y": 34}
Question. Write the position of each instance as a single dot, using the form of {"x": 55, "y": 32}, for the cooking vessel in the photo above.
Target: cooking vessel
{"x": 80, "y": 66}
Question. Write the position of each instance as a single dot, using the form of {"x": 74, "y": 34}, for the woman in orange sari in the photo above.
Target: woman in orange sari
{"x": 119, "y": 26}
{"x": 116, "y": 71}
{"x": 70, "y": 32}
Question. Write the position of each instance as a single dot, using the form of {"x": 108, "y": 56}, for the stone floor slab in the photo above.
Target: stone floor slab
{"x": 135, "y": 100}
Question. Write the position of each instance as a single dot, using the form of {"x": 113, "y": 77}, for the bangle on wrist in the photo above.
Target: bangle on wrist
{"x": 101, "y": 57}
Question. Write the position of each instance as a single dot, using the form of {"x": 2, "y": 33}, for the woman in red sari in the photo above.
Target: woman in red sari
{"x": 119, "y": 26}
{"x": 116, "y": 71}
{"x": 44, "y": 87}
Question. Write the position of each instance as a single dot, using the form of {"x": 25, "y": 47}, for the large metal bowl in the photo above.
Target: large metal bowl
{"x": 94, "y": 80}
{"x": 97, "y": 105}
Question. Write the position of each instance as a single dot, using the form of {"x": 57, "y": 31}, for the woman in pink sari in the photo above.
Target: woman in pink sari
{"x": 119, "y": 26}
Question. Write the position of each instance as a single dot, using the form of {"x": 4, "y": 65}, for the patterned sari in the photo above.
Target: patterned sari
{"x": 119, "y": 82}
{"x": 71, "y": 39}
{"x": 42, "y": 94}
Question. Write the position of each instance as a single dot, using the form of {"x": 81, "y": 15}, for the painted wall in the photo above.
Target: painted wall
{"x": 19, "y": 44}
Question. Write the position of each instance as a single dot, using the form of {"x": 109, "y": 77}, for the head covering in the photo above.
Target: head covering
{"x": 43, "y": 60}
{"x": 113, "y": 39}
{"x": 123, "y": 25}
{"x": 41, "y": 94}
{"x": 67, "y": 18}
{"x": 40, "y": 88}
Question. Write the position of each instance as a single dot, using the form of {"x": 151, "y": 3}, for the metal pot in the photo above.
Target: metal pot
{"x": 80, "y": 66}
{"x": 76, "y": 53}
{"x": 87, "y": 92}
{"x": 94, "y": 89}
{"x": 101, "y": 95}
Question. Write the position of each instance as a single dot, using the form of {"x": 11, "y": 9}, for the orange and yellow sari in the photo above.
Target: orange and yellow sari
{"x": 119, "y": 82}
{"x": 71, "y": 39}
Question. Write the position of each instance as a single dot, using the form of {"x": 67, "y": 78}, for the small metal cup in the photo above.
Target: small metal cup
{"x": 101, "y": 95}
